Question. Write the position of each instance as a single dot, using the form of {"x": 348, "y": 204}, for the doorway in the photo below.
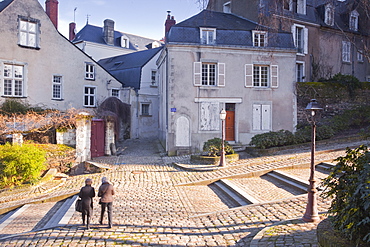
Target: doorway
{"x": 230, "y": 122}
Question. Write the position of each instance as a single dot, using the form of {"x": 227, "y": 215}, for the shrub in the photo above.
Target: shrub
{"x": 214, "y": 147}
{"x": 20, "y": 164}
{"x": 273, "y": 139}
{"x": 349, "y": 186}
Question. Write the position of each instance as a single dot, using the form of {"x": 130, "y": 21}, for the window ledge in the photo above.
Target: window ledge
{"x": 29, "y": 47}
{"x": 17, "y": 97}
{"x": 209, "y": 87}
{"x": 145, "y": 115}
{"x": 154, "y": 86}
{"x": 58, "y": 99}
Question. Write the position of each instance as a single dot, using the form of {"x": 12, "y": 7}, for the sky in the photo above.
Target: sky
{"x": 145, "y": 18}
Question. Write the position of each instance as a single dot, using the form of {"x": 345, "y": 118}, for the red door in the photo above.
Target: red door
{"x": 97, "y": 138}
{"x": 230, "y": 126}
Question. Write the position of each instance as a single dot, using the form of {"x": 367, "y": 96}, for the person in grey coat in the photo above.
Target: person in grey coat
{"x": 106, "y": 192}
{"x": 87, "y": 193}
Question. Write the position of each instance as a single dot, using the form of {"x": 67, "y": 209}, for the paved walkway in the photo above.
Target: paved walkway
{"x": 159, "y": 203}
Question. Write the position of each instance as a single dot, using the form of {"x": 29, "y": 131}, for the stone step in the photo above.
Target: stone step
{"x": 238, "y": 195}
{"x": 326, "y": 166}
{"x": 290, "y": 180}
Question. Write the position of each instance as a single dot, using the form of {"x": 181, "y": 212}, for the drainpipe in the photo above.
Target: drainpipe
{"x": 167, "y": 115}
{"x": 137, "y": 112}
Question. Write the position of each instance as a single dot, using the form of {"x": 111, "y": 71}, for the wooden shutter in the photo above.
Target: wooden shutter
{"x": 221, "y": 74}
{"x": 274, "y": 76}
{"x": 305, "y": 40}
{"x": 197, "y": 74}
{"x": 266, "y": 117}
{"x": 256, "y": 117}
{"x": 249, "y": 75}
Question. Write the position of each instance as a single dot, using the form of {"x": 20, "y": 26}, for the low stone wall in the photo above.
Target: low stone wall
{"x": 207, "y": 160}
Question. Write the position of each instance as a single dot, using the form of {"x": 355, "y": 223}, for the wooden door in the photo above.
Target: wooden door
{"x": 230, "y": 122}
{"x": 97, "y": 138}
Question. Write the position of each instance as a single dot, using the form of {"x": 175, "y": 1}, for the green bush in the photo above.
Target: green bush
{"x": 20, "y": 164}
{"x": 351, "y": 119}
{"x": 214, "y": 147}
{"x": 349, "y": 186}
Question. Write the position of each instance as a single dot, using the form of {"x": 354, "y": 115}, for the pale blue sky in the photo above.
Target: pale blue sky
{"x": 140, "y": 17}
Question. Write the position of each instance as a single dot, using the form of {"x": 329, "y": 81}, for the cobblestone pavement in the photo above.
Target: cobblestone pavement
{"x": 161, "y": 204}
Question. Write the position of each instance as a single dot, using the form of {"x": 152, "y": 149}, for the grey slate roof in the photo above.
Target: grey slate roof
{"x": 94, "y": 34}
{"x": 127, "y": 68}
{"x": 230, "y": 30}
{"x": 4, "y": 4}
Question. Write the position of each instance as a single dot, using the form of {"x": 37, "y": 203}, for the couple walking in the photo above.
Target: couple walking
{"x": 106, "y": 192}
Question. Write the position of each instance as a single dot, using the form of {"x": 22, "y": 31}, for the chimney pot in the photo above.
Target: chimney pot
{"x": 72, "y": 33}
{"x": 170, "y": 21}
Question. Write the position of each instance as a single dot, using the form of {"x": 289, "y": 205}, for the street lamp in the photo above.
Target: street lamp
{"x": 222, "y": 157}
{"x": 311, "y": 214}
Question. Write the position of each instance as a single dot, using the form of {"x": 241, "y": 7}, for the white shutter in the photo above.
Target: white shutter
{"x": 221, "y": 74}
{"x": 197, "y": 74}
{"x": 305, "y": 41}
{"x": 274, "y": 76}
{"x": 294, "y": 35}
{"x": 256, "y": 116}
{"x": 266, "y": 117}
{"x": 249, "y": 75}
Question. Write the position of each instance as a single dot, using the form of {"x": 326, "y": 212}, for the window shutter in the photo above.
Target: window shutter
{"x": 274, "y": 76}
{"x": 249, "y": 75}
{"x": 305, "y": 48}
{"x": 266, "y": 117}
{"x": 256, "y": 117}
{"x": 221, "y": 74}
{"x": 294, "y": 35}
{"x": 197, "y": 74}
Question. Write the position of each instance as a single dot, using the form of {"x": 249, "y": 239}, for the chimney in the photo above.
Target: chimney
{"x": 109, "y": 31}
{"x": 52, "y": 11}
{"x": 170, "y": 21}
{"x": 72, "y": 33}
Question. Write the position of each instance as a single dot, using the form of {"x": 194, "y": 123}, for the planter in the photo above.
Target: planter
{"x": 328, "y": 237}
{"x": 200, "y": 159}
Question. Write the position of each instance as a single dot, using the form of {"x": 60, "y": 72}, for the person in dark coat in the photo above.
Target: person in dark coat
{"x": 87, "y": 193}
{"x": 106, "y": 192}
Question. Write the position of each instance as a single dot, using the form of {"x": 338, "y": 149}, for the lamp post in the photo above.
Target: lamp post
{"x": 311, "y": 214}
{"x": 222, "y": 157}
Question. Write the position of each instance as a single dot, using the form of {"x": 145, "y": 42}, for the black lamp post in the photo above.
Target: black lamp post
{"x": 311, "y": 214}
{"x": 222, "y": 157}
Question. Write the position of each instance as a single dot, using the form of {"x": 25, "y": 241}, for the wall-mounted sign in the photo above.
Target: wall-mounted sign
{"x": 173, "y": 109}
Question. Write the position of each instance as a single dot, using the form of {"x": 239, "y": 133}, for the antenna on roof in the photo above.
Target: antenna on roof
{"x": 87, "y": 18}
{"x": 74, "y": 15}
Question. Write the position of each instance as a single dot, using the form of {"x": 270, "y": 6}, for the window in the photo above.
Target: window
{"x": 28, "y": 33}
{"x": 125, "y": 42}
{"x": 209, "y": 116}
{"x": 57, "y": 87}
{"x": 300, "y": 72}
{"x": 346, "y": 51}
{"x": 89, "y": 96}
{"x": 145, "y": 109}
{"x": 329, "y": 14}
{"x": 300, "y": 36}
{"x": 227, "y": 7}
{"x": 295, "y": 6}
{"x": 115, "y": 92}
{"x": 13, "y": 80}
{"x": 208, "y": 36}
{"x": 89, "y": 71}
{"x": 259, "y": 38}
{"x": 360, "y": 56}
{"x": 261, "y": 76}
{"x": 209, "y": 74}
{"x": 154, "y": 77}
{"x": 261, "y": 117}
{"x": 353, "y": 20}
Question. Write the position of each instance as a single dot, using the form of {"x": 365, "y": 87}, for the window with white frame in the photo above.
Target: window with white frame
{"x": 13, "y": 80}
{"x": 57, "y": 87}
{"x": 360, "y": 56}
{"x": 295, "y": 6}
{"x": 209, "y": 74}
{"x": 145, "y": 109}
{"x": 153, "y": 77}
{"x": 115, "y": 92}
{"x": 207, "y": 36}
{"x": 300, "y": 36}
{"x": 353, "y": 20}
{"x": 261, "y": 76}
{"x": 125, "y": 42}
{"x": 90, "y": 96}
{"x": 261, "y": 117}
{"x": 29, "y": 33}
{"x": 259, "y": 38}
{"x": 329, "y": 14}
{"x": 89, "y": 71}
{"x": 227, "y": 7}
{"x": 346, "y": 51}
{"x": 300, "y": 72}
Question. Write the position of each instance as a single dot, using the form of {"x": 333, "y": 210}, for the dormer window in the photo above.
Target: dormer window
{"x": 125, "y": 42}
{"x": 259, "y": 38}
{"x": 227, "y": 7}
{"x": 208, "y": 36}
{"x": 353, "y": 20}
{"x": 329, "y": 14}
{"x": 295, "y": 6}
